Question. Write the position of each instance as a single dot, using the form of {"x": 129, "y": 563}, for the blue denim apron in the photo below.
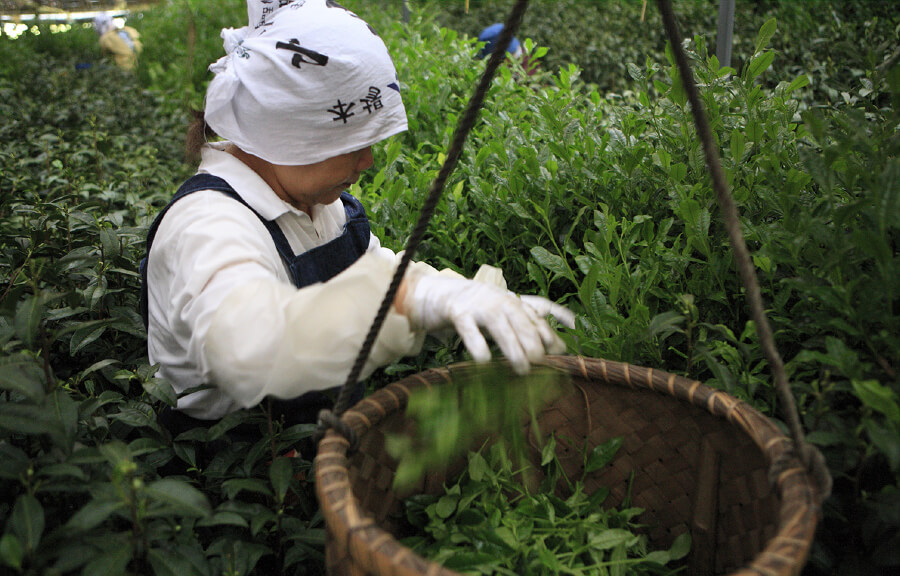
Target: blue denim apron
{"x": 320, "y": 264}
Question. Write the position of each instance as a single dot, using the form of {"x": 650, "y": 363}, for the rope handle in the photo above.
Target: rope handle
{"x": 463, "y": 127}
{"x": 808, "y": 454}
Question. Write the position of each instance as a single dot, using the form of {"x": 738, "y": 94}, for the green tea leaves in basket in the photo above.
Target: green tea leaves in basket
{"x": 481, "y": 402}
{"x": 487, "y": 522}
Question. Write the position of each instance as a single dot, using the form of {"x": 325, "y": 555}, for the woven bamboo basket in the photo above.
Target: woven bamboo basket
{"x": 699, "y": 457}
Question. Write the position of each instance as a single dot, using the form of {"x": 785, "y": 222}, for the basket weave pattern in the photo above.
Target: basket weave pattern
{"x": 696, "y": 460}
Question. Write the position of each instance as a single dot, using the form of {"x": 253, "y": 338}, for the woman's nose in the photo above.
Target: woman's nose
{"x": 365, "y": 159}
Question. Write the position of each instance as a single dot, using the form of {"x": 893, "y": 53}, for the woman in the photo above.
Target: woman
{"x": 262, "y": 276}
{"x": 122, "y": 43}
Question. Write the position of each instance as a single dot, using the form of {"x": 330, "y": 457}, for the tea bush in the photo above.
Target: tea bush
{"x": 832, "y": 42}
{"x": 592, "y": 192}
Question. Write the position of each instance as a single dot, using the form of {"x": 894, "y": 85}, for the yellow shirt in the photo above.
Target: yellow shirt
{"x": 125, "y": 54}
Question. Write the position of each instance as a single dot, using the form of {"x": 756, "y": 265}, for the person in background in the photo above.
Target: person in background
{"x": 123, "y": 43}
{"x": 262, "y": 276}
{"x": 491, "y": 35}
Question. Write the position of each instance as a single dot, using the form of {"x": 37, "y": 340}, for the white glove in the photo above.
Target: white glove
{"x": 515, "y": 323}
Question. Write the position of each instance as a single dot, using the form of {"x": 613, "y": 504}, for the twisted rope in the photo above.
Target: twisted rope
{"x": 463, "y": 127}
{"x": 808, "y": 454}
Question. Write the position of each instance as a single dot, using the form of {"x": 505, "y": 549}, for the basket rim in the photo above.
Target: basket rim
{"x": 369, "y": 544}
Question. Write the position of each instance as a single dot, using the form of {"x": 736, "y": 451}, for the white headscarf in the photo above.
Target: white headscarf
{"x": 103, "y": 23}
{"x": 305, "y": 81}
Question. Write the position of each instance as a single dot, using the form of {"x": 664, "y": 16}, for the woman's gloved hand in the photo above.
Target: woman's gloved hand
{"x": 516, "y": 324}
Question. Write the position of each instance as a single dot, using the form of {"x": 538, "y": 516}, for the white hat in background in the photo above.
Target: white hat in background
{"x": 103, "y": 23}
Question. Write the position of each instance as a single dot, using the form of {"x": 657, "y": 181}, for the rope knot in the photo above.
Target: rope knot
{"x": 814, "y": 461}
{"x": 328, "y": 419}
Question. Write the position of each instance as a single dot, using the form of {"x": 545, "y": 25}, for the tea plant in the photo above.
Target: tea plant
{"x": 834, "y": 43}
{"x": 592, "y": 193}
{"x": 92, "y": 484}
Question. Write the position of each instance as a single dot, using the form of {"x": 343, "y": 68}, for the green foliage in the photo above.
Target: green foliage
{"x": 483, "y": 401}
{"x": 834, "y": 43}
{"x": 488, "y": 522}
{"x": 584, "y": 182}
{"x": 77, "y": 45}
{"x": 181, "y": 39}
{"x": 91, "y": 482}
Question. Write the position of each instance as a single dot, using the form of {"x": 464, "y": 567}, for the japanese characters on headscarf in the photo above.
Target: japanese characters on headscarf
{"x": 306, "y": 80}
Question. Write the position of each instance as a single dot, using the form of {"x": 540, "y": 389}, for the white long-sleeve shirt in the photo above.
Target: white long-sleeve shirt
{"x": 223, "y": 311}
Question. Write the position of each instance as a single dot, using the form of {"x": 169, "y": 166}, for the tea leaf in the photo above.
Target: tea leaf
{"x": 110, "y": 242}
{"x": 162, "y": 390}
{"x": 607, "y": 539}
{"x": 765, "y": 34}
{"x": 696, "y": 220}
{"x": 28, "y": 419}
{"x": 235, "y": 486}
{"x": 549, "y": 560}
{"x": 797, "y": 83}
{"x": 468, "y": 561}
{"x": 280, "y": 474}
{"x": 737, "y": 145}
{"x": 28, "y": 320}
{"x": 478, "y": 467}
{"x": 22, "y": 374}
{"x": 15, "y": 461}
{"x": 187, "y": 452}
{"x": 184, "y": 498}
{"x": 603, "y": 454}
{"x": 99, "y": 366}
{"x": 481, "y": 401}
{"x": 887, "y": 439}
{"x": 66, "y": 411}
{"x": 11, "y": 552}
{"x": 635, "y": 72}
{"x": 661, "y": 557}
{"x": 879, "y": 398}
{"x": 446, "y": 506}
{"x": 760, "y": 64}
{"x": 824, "y": 438}
{"x": 551, "y": 261}
{"x": 598, "y": 496}
{"x": 142, "y": 446}
{"x": 86, "y": 334}
{"x": 507, "y": 538}
{"x": 314, "y": 537}
{"x": 223, "y": 519}
{"x": 681, "y": 546}
{"x": 93, "y": 514}
{"x": 171, "y": 563}
{"x": 27, "y": 521}
{"x": 662, "y": 325}
{"x": 113, "y": 561}
{"x": 302, "y": 552}
{"x": 470, "y": 517}
{"x": 548, "y": 452}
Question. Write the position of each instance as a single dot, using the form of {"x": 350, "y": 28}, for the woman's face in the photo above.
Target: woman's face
{"x": 321, "y": 183}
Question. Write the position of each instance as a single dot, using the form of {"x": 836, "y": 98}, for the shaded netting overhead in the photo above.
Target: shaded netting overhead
{"x": 12, "y": 7}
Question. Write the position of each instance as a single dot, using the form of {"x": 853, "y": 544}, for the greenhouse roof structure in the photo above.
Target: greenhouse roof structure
{"x": 68, "y": 8}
